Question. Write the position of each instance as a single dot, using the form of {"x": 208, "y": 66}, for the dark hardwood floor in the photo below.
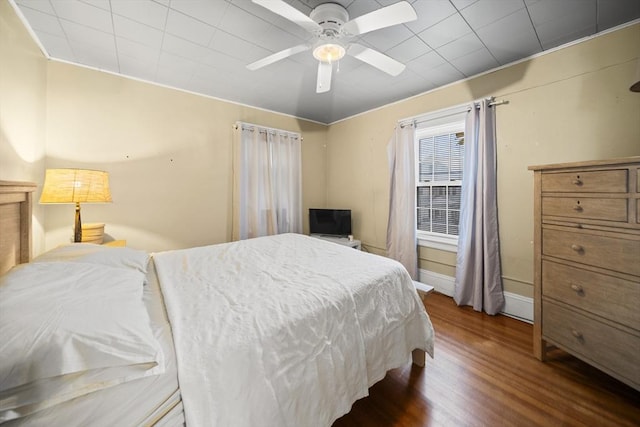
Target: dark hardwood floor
{"x": 484, "y": 374}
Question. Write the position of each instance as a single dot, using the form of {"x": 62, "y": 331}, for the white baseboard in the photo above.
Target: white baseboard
{"x": 515, "y": 305}
{"x": 440, "y": 282}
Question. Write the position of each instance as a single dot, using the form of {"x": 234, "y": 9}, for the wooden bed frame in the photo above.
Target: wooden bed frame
{"x": 15, "y": 223}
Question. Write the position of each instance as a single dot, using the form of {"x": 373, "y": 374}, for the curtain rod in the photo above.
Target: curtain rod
{"x": 263, "y": 129}
{"x": 419, "y": 119}
{"x": 492, "y": 103}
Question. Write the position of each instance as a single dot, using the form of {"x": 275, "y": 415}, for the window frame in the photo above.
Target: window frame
{"x": 429, "y": 239}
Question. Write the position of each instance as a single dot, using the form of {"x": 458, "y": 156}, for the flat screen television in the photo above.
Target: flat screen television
{"x": 330, "y": 222}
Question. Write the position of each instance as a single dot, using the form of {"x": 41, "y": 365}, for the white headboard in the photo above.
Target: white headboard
{"x": 15, "y": 223}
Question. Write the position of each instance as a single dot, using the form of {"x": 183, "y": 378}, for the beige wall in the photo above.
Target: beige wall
{"x": 568, "y": 105}
{"x": 23, "y": 82}
{"x": 169, "y": 155}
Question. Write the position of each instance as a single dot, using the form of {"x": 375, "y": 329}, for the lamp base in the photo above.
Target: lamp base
{"x": 77, "y": 229}
{"x": 93, "y": 233}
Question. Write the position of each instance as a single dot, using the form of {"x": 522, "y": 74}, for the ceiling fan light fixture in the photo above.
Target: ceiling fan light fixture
{"x": 329, "y": 52}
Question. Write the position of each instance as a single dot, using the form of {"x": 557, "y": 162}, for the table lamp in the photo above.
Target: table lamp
{"x": 76, "y": 186}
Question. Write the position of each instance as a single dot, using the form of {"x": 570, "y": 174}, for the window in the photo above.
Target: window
{"x": 439, "y": 162}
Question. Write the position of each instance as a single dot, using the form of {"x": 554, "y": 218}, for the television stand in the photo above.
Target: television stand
{"x": 344, "y": 241}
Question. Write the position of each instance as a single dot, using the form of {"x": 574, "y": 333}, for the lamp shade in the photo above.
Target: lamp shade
{"x": 75, "y": 186}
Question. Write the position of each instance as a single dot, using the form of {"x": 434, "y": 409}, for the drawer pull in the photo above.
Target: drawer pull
{"x": 576, "y": 182}
{"x": 577, "y": 334}
{"x": 577, "y": 208}
{"x": 577, "y": 248}
{"x": 577, "y": 289}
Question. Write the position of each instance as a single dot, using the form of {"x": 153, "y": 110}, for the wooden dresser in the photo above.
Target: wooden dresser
{"x": 587, "y": 263}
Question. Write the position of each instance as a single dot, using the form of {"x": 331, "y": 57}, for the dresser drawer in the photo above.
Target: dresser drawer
{"x": 609, "y": 181}
{"x": 610, "y": 297}
{"x": 588, "y": 208}
{"x": 606, "y": 251}
{"x": 602, "y": 344}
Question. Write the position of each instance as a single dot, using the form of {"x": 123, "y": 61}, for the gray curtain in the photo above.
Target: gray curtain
{"x": 478, "y": 271}
{"x": 401, "y": 228}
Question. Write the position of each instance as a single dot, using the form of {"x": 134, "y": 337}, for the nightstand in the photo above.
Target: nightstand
{"x": 115, "y": 243}
{"x": 355, "y": 244}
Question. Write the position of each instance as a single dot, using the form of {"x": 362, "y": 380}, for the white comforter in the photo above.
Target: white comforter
{"x": 285, "y": 330}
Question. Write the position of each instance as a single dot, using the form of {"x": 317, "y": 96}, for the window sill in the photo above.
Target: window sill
{"x": 443, "y": 244}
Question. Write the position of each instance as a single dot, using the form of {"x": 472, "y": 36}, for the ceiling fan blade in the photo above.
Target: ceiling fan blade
{"x": 278, "y": 56}
{"x": 324, "y": 77}
{"x": 289, "y": 12}
{"x": 376, "y": 59}
{"x": 397, "y": 13}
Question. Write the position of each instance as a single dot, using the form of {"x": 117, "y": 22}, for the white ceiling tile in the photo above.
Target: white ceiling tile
{"x": 210, "y": 12}
{"x": 475, "y": 62}
{"x": 189, "y": 28}
{"x": 237, "y": 47}
{"x": 409, "y": 84}
{"x": 430, "y": 12}
{"x": 485, "y": 12}
{"x": 461, "y": 4}
{"x": 258, "y": 31}
{"x": 559, "y": 22}
{"x": 172, "y": 79}
{"x": 102, "y": 4}
{"x": 134, "y": 49}
{"x": 520, "y": 42}
{"x": 386, "y": 38}
{"x": 77, "y": 33}
{"x": 145, "y": 12}
{"x": 168, "y": 61}
{"x": 183, "y": 48}
{"x": 282, "y": 71}
{"x": 277, "y": 20}
{"x": 84, "y": 14}
{"x": 423, "y": 64}
{"x": 348, "y": 77}
{"x": 162, "y": 2}
{"x": 135, "y": 31}
{"x": 204, "y": 73}
{"x": 137, "y": 67}
{"x": 445, "y": 31}
{"x": 43, "y": 22}
{"x": 408, "y": 50}
{"x": 56, "y": 46}
{"x": 103, "y": 58}
{"x": 612, "y": 13}
{"x": 42, "y": 6}
{"x": 223, "y": 61}
{"x": 460, "y": 47}
{"x": 543, "y": 11}
{"x": 174, "y": 70}
{"x": 443, "y": 74}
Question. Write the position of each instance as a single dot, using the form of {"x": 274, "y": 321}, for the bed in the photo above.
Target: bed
{"x": 284, "y": 330}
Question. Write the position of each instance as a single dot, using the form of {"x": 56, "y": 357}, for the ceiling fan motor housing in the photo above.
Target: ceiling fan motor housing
{"x": 331, "y": 17}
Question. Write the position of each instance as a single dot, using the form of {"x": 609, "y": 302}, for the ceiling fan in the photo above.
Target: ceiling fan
{"x": 329, "y": 22}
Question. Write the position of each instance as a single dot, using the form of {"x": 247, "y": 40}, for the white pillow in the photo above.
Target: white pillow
{"x": 113, "y": 256}
{"x": 68, "y": 329}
